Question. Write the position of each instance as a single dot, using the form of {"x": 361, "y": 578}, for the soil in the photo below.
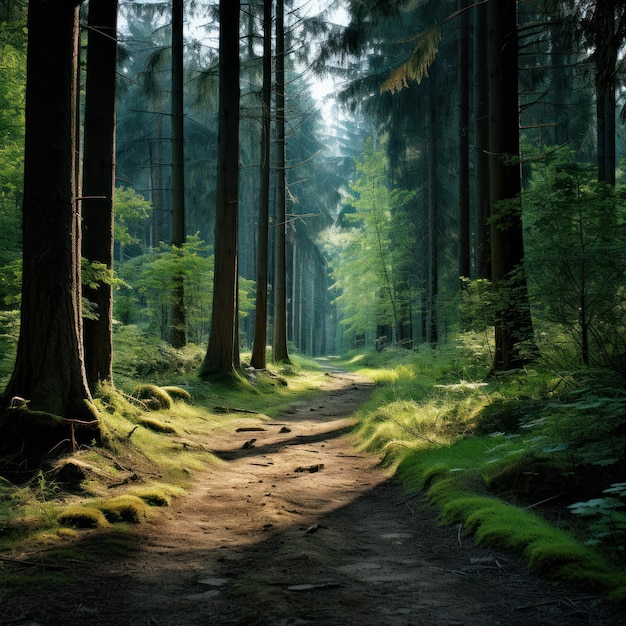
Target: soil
{"x": 296, "y": 526}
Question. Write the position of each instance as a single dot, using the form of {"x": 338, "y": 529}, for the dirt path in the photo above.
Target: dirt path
{"x": 297, "y": 527}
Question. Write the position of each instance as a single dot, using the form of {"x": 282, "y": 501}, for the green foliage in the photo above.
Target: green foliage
{"x": 371, "y": 259}
{"x": 12, "y": 90}
{"x": 542, "y": 441}
{"x": 138, "y": 356}
{"x": 131, "y": 209}
{"x": 94, "y": 274}
{"x": 148, "y": 295}
{"x": 9, "y": 332}
{"x": 11, "y": 282}
{"x": 146, "y": 289}
{"x": 576, "y": 256}
{"x": 608, "y": 525}
{"x": 476, "y": 305}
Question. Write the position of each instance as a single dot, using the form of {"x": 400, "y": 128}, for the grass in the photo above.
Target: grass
{"x": 156, "y": 427}
{"x": 497, "y": 456}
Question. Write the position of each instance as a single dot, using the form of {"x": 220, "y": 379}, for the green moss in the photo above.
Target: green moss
{"x": 158, "y": 494}
{"x": 557, "y": 552}
{"x": 125, "y": 508}
{"x": 618, "y": 594}
{"x": 152, "y": 397}
{"x": 79, "y": 516}
{"x": 460, "y": 508}
{"x": 178, "y": 393}
{"x": 157, "y": 425}
{"x": 154, "y": 497}
{"x": 110, "y": 401}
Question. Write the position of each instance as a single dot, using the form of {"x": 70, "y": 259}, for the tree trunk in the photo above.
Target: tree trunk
{"x": 481, "y": 112}
{"x": 513, "y": 324}
{"x": 49, "y": 373}
{"x": 606, "y": 53}
{"x": 259, "y": 351}
{"x": 464, "y": 200}
{"x": 156, "y": 185}
{"x": 178, "y": 321}
{"x": 222, "y": 355}
{"x": 99, "y": 182}
{"x": 279, "y": 342}
{"x": 433, "y": 225}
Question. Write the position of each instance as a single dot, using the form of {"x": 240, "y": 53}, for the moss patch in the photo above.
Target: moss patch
{"x": 178, "y": 393}
{"x": 82, "y": 517}
{"x": 126, "y": 508}
{"x": 156, "y": 425}
{"x": 152, "y": 397}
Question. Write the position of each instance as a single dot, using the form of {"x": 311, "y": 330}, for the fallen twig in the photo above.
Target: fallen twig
{"x": 225, "y": 409}
{"x": 5, "y": 559}
{"x": 414, "y": 495}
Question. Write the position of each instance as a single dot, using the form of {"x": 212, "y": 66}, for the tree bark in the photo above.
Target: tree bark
{"x": 259, "y": 348}
{"x": 99, "y": 182}
{"x": 279, "y": 342}
{"x": 222, "y": 357}
{"x": 178, "y": 317}
{"x": 481, "y": 133}
{"x": 49, "y": 382}
{"x": 513, "y": 324}
{"x": 464, "y": 199}
{"x": 49, "y": 369}
{"x": 433, "y": 225}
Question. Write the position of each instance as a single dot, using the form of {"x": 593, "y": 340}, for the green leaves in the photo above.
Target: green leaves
{"x": 371, "y": 259}
{"x": 416, "y": 67}
{"x": 576, "y": 256}
{"x": 131, "y": 208}
{"x": 150, "y": 276}
{"x": 609, "y": 525}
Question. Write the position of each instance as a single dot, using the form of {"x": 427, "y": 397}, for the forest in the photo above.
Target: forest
{"x": 208, "y": 202}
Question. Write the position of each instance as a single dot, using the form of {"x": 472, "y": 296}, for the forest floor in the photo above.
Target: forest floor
{"x": 296, "y": 526}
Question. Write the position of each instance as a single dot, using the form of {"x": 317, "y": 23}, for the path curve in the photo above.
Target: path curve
{"x": 298, "y": 527}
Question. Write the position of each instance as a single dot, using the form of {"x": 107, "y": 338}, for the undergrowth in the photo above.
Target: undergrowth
{"x": 531, "y": 461}
{"x": 157, "y": 420}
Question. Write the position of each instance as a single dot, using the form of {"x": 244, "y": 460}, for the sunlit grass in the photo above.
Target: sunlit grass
{"x": 172, "y": 442}
{"x": 448, "y": 429}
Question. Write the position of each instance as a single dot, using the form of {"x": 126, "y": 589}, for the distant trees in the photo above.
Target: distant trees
{"x": 13, "y": 54}
{"x": 604, "y": 24}
{"x": 144, "y": 155}
{"x": 373, "y": 253}
{"x": 452, "y": 97}
{"x": 475, "y": 225}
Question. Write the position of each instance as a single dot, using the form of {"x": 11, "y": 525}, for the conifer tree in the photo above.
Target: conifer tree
{"x": 99, "y": 184}
{"x": 259, "y": 358}
{"x": 49, "y": 375}
{"x": 279, "y": 342}
{"x": 178, "y": 325}
{"x": 222, "y": 357}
